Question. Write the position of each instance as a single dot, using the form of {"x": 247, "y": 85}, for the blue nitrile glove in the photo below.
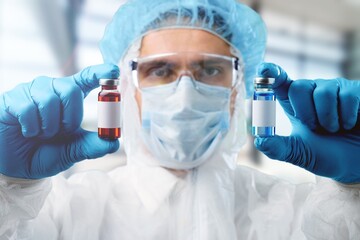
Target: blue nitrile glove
{"x": 40, "y": 132}
{"x": 325, "y": 139}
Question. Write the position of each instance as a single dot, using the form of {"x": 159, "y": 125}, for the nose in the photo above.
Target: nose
{"x": 186, "y": 79}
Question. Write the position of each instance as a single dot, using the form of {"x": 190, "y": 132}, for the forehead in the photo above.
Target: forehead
{"x": 182, "y": 40}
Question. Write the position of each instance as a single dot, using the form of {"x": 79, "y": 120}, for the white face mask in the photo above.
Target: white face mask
{"x": 184, "y": 121}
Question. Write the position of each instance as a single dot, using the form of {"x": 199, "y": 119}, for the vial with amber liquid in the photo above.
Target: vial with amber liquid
{"x": 109, "y": 109}
{"x": 264, "y": 108}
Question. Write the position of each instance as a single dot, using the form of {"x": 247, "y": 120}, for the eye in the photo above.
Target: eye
{"x": 211, "y": 71}
{"x": 160, "y": 72}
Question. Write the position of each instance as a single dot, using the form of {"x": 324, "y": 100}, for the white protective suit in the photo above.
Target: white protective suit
{"x": 136, "y": 202}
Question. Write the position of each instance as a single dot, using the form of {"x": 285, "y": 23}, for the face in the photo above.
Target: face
{"x": 182, "y": 40}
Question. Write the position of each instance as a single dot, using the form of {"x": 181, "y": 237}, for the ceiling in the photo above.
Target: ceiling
{"x": 343, "y": 15}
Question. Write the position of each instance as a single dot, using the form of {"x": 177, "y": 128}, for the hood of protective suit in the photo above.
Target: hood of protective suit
{"x": 205, "y": 192}
{"x": 233, "y": 22}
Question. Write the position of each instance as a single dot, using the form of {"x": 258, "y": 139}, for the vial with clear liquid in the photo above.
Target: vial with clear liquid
{"x": 263, "y": 108}
{"x": 109, "y": 99}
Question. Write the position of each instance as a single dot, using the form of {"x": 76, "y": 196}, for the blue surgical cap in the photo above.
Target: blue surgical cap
{"x": 232, "y": 21}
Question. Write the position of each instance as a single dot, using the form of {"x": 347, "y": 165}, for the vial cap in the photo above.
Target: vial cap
{"x": 109, "y": 82}
{"x": 264, "y": 80}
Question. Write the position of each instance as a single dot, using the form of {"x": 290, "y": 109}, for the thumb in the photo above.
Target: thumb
{"x": 88, "y": 78}
{"x": 287, "y": 149}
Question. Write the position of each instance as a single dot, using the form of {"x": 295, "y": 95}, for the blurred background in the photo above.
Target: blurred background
{"x": 309, "y": 39}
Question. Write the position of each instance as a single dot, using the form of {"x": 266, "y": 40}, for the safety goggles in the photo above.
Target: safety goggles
{"x": 161, "y": 69}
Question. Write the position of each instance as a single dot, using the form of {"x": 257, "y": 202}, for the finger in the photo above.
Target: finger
{"x": 19, "y": 108}
{"x": 56, "y": 157}
{"x": 281, "y": 85}
{"x": 301, "y": 99}
{"x": 72, "y": 92}
{"x": 48, "y": 104}
{"x": 71, "y": 97}
{"x": 349, "y": 107}
{"x": 326, "y": 104}
{"x": 88, "y": 79}
{"x": 287, "y": 149}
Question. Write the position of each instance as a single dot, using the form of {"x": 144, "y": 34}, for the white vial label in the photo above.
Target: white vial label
{"x": 109, "y": 114}
{"x": 264, "y": 113}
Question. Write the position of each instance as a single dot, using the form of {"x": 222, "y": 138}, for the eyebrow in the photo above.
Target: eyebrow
{"x": 207, "y": 62}
{"x": 156, "y": 63}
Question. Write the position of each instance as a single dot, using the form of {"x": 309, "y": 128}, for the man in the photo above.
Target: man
{"x": 191, "y": 65}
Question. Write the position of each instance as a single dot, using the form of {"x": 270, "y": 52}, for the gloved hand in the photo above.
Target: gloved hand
{"x": 40, "y": 132}
{"x": 325, "y": 139}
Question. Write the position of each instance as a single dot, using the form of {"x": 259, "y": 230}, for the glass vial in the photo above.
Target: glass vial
{"x": 109, "y": 109}
{"x": 263, "y": 108}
